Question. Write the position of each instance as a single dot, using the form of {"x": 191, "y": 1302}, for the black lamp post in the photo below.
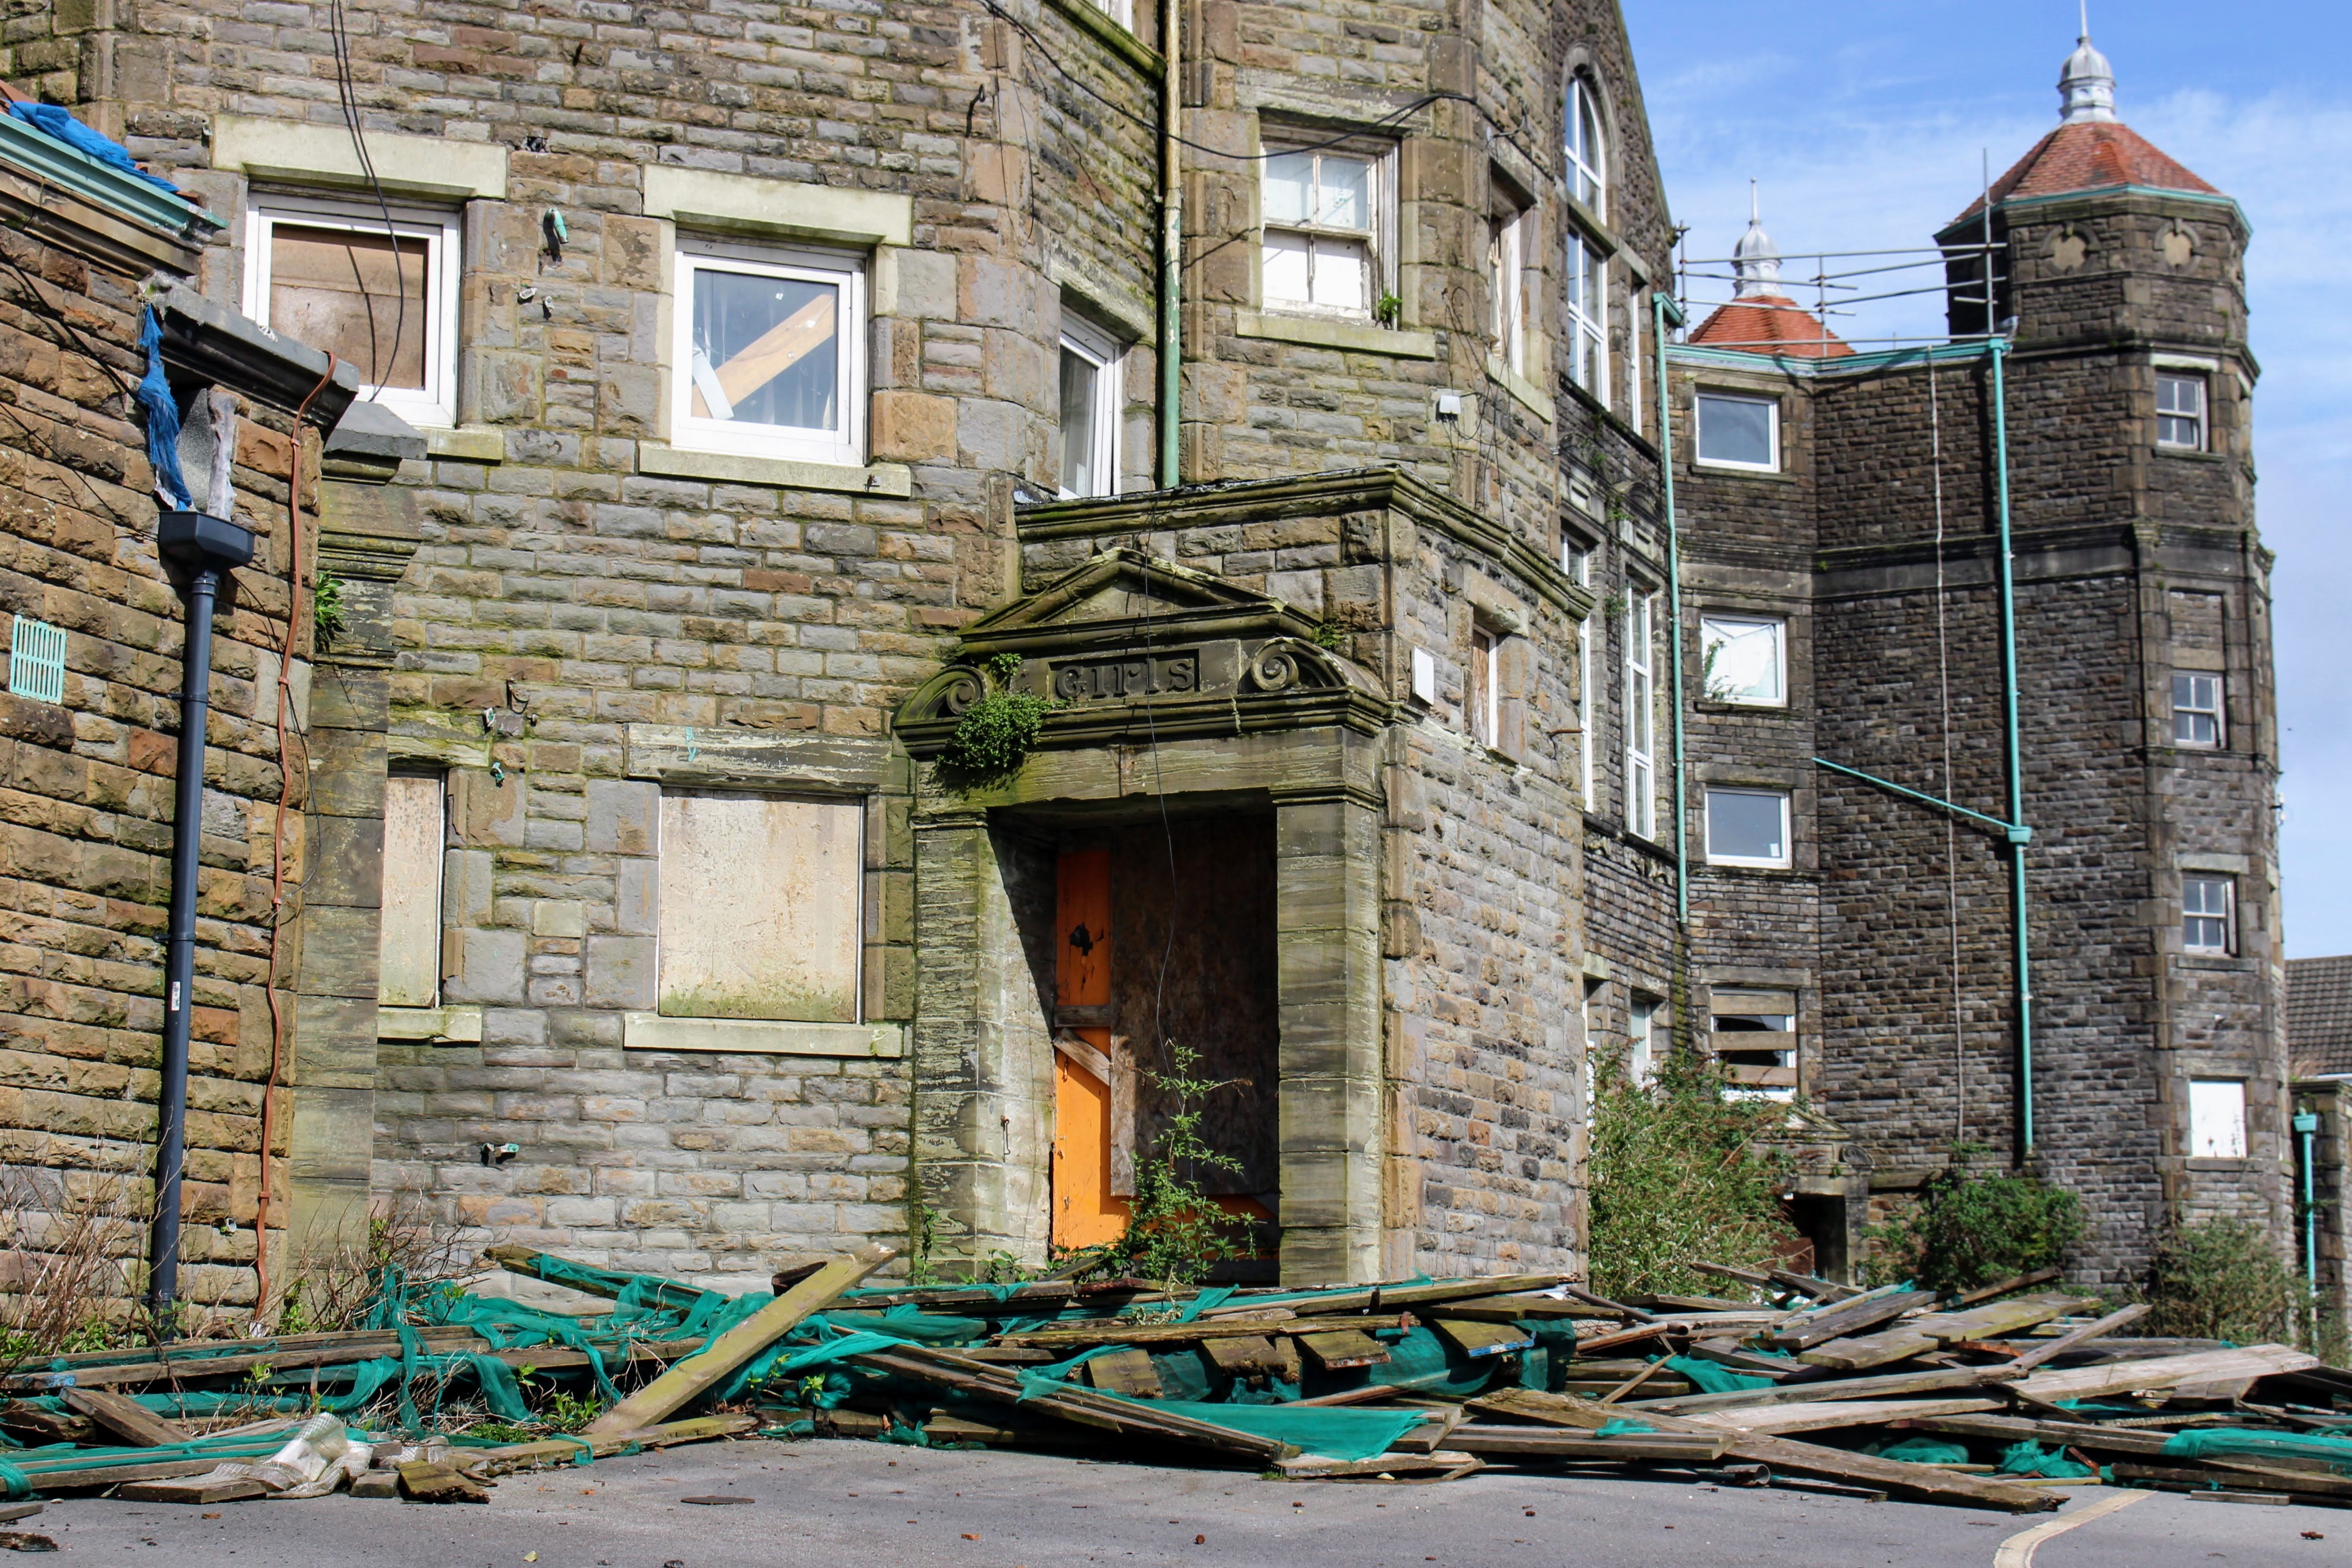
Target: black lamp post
{"x": 207, "y": 548}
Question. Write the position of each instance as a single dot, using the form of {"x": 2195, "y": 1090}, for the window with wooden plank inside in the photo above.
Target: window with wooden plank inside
{"x": 1754, "y": 1037}
{"x": 760, "y": 907}
{"x": 770, "y": 361}
{"x": 375, "y": 287}
{"x": 409, "y": 938}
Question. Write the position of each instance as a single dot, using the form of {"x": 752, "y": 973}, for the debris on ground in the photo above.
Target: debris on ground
{"x": 1999, "y": 1399}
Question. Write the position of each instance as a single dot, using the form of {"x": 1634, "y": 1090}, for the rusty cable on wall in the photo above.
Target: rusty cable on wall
{"x": 277, "y": 834}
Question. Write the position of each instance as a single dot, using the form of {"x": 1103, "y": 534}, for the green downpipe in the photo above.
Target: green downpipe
{"x": 1661, "y": 310}
{"x": 2306, "y": 1127}
{"x": 1171, "y": 247}
{"x": 2020, "y": 835}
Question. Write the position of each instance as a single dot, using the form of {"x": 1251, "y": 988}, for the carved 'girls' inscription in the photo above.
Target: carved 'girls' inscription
{"x": 1115, "y": 679}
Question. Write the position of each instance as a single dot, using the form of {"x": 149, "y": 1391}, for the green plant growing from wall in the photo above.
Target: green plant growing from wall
{"x": 1388, "y": 310}
{"x": 1968, "y": 1231}
{"x": 996, "y": 735}
{"x": 328, "y": 615}
{"x": 1679, "y": 1171}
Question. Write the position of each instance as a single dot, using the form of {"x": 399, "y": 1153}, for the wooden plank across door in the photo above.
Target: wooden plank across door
{"x": 1084, "y": 1212}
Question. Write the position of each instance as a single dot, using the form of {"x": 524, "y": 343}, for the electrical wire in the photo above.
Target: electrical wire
{"x": 347, "y": 95}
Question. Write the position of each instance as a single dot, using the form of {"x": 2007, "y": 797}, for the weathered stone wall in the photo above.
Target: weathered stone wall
{"x": 85, "y": 808}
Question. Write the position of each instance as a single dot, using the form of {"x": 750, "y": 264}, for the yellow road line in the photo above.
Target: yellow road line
{"x": 2017, "y": 1552}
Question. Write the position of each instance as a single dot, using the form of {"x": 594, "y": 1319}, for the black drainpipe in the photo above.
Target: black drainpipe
{"x": 207, "y": 548}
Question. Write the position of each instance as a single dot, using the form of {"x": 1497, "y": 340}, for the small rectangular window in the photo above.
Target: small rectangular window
{"x": 1093, "y": 373}
{"x": 2217, "y": 1118}
{"x": 760, "y": 907}
{"x": 408, "y": 940}
{"x": 1506, "y": 268}
{"x": 1747, "y": 827}
{"x": 2197, "y": 710}
{"x": 36, "y": 659}
{"x": 2180, "y": 412}
{"x": 1740, "y": 432}
{"x": 1644, "y": 1026}
{"x": 1484, "y": 698}
{"x": 1640, "y": 716}
{"x": 1577, "y": 558}
{"x": 378, "y": 290}
{"x": 1119, "y": 11}
{"x": 1321, "y": 213}
{"x": 1587, "y": 322}
{"x": 770, "y": 356}
{"x": 1744, "y": 661}
{"x": 1754, "y": 1034}
{"x": 2207, "y": 913}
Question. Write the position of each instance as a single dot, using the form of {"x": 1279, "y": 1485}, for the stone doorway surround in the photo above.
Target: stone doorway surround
{"x": 1176, "y": 686}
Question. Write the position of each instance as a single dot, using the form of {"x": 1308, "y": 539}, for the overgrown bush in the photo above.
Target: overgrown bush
{"x": 1680, "y": 1172}
{"x": 996, "y": 733}
{"x": 69, "y": 1245}
{"x": 2224, "y": 1280}
{"x": 1968, "y": 1231}
{"x": 339, "y": 1283}
{"x": 1175, "y": 1229}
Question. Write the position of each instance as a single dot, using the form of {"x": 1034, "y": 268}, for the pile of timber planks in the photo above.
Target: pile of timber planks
{"x": 2000, "y": 1399}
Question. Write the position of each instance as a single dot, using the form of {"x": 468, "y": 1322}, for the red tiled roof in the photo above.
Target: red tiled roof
{"x": 1770, "y": 324}
{"x": 2088, "y": 156}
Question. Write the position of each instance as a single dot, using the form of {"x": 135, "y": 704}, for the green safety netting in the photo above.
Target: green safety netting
{"x": 1713, "y": 1377}
{"x": 2030, "y": 1459}
{"x": 1919, "y": 1450}
{"x": 2232, "y": 1441}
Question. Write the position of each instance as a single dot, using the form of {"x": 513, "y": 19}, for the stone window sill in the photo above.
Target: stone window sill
{"x": 785, "y": 473}
{"x": 761, "y": 1037}
{"x": 1360, "y": 337}
{"x": 1739, "y": 471}
{"x": 2203, "y": 1162}
{"x": 1520, "y": 388}
{"x": 2214, "y": 963}
{"x": 438, "y": 1026}
{"x": 468, "y": 443}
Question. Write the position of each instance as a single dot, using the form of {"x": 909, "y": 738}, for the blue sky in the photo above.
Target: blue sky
{"x": 1865, "y": 122}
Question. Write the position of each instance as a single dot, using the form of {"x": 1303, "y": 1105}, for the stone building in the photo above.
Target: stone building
{"x": 763, "y": 389}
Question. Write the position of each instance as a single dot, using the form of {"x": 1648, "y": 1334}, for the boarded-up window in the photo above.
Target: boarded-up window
{"x": 1755, "y": 1039}
{"x": 760, "y": 907}
{"x": 2217, "y": 1118}
{"x": 410, "y": 939}
{"x": 2197, "y": 630}
{"x": 377, "y": 286}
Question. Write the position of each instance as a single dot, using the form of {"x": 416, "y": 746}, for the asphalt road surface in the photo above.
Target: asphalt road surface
{"x": 868, "y": 1505}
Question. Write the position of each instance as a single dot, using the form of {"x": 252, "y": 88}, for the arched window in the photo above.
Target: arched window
{"x": 1587, "y": 155}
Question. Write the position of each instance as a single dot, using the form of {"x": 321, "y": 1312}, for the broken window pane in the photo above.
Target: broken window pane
{"x": 1742, "y": 661}
{"x": 760, "y": 907}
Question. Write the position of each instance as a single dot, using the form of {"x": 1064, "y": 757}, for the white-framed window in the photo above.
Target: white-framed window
{"x": 382, "y": 298}
{"x": 1588, "y": 153}
{"x": 1322, "y": 224}
{"x": 1641, "y": 715}
{"x": 1094, "y": 375}
{"x": 1740, "y": 432}
{"x": 2217, "y": 1118}
{"x": 1744, "y": 660}
{"x": 761, "y": 907}
{"x": 1747, "y": 827}
{"x": 1636, "y": 327}
{"x": 1485, "y": 697}
{"x": 408, "y": 940}
{"x": 2208, "y": 913}
{"x": 1575, "y": 558}
{"x": 1119, "y": 11}
{"x": 769, "y": 355}
{"x": 1586, "y": 324}
{"x": 2197, "y": 710}
{"x": 1507, "y": 249}
{"x": 2179, "y": 411}
{"x": 1642, "y": 1023}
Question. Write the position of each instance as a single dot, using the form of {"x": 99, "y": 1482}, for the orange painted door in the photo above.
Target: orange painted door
{"x": 1085, "y": 1212}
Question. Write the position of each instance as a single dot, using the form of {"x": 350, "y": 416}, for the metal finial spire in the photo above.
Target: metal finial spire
{"x": 1756, "y": 260}
{"x": 2086, "y": 86}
